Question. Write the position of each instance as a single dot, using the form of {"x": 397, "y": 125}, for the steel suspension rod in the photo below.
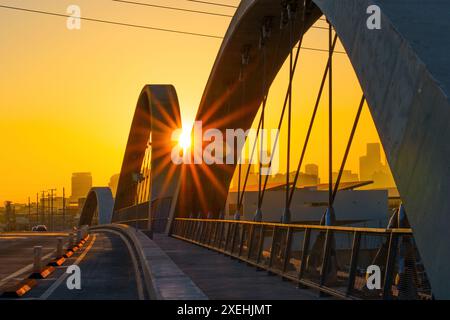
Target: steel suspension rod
{"x": 347, "y": 150}
{"x": 282, "y": 112}
{"x": 311, "y": 123}
{"x": 330, "y": 119}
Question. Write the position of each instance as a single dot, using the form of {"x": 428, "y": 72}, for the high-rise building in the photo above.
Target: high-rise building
{"x": 372, "y": 169}
{"x": 371, "y": 162}
{"x": 81, "y": 184}
{"x": 312, "y": 169}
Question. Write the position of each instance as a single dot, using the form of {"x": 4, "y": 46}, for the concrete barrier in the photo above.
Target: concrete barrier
{"x": 37, "y": 253}
{"x": 59, "y": 247}
{"x": 163, "y": 279}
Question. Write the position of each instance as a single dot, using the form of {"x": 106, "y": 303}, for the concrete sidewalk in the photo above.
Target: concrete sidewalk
{"x": 221, "y": 277}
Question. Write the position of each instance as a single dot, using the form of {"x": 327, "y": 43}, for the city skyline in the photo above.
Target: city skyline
{"x": 113, "y": 179}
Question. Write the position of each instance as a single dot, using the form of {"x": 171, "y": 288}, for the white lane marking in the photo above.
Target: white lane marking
{"x": 24, "y": 269}
{"x": 135, "y": 264}
{"x": 63, "y": 277}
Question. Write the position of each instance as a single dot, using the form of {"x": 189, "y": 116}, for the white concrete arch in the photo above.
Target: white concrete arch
{"x": 99, "y": 200}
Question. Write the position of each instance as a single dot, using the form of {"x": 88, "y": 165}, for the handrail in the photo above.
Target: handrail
{"x": 306, "y": 226}
{"x": 331, "y": 259}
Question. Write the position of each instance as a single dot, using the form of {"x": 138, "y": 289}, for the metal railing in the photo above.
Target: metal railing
{"x": 333, "y": 260}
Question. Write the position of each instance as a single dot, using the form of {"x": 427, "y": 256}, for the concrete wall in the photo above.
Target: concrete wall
{"x": 368, "y": 207}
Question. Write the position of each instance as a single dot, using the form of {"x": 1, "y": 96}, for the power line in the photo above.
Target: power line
{"x": 320, "y": 50}
{"x": 174, "y": 8}
{"x": 134, "y": 25}
{"x": 113, "y": 22}
{"x": 213, "y": 4}
{"x": 187, "y": 10}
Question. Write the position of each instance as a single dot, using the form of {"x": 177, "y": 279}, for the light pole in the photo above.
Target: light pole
{"x": 52, "y": 226}
{"x": 43, "y": 208}
{"x": 29, "y": 213}
{"x": 37, "y": 207}
{"x": 64, "y": 209}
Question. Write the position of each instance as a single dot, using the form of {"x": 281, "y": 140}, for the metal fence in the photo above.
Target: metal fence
{"x": 333, "y": 260}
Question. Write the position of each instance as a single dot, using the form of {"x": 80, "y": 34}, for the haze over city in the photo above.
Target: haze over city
{"x": 68, "y": 96}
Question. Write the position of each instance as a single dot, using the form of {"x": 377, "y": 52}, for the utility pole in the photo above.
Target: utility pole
{"x": 52, "y": 224}
{"x": 43, "y": 208}
{"x": 64, "y": 209}
{"x": 48, "y": 209}
{"x": 37, "y": 207}
{"x": 29, "y": 214}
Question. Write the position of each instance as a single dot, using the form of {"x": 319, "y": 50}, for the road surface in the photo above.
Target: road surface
{"x": 16, "y": 253}
{"x": 107, "y": 272}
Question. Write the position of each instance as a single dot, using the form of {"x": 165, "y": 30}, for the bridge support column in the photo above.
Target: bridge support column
{"x": 286, "y": 218}
{"x": 258, "y": 215}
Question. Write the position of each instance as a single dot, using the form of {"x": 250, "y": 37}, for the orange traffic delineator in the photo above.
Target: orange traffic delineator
{"x": 57, "y": 262}
{"x": 44, "y": 273}
{"x": 68, "y": 254}
{"x": 20, "y": 289}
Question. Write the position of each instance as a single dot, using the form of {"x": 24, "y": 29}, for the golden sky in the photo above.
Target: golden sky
{"x": 67, "y": 96}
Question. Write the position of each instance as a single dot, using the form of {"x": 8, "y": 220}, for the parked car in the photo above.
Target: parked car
{"x": 39, "y": 228}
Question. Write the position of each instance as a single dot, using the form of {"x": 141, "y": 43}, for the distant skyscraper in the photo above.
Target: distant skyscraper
{"x": 113, "y": 183}
{"x": 372, "y": 169}
{"x": 81, "y": 184}
{"x": 371, "y": 162}
{"x": 312, "y": 169}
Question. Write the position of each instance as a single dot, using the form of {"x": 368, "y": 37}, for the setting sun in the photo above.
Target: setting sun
{"x": 184, "y": 140}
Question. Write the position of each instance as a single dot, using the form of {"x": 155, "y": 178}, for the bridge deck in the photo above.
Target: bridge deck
{"x": 221, "y": 277}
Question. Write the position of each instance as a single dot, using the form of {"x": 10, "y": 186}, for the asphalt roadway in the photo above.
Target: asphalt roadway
{"x": 107, "y": 270}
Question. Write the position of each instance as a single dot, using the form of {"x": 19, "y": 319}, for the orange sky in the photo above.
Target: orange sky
{"x": 67, "y": 97}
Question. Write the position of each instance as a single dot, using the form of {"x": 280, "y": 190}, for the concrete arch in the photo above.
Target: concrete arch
{"x": 404, "y": 72}
{"x": 157, "y": 114}
{"x": 99, "y": 201}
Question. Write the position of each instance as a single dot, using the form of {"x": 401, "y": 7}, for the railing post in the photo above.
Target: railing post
{"x": 202, "y": 230}
{"x": 353, "y": 261}
{"x": 192, "y": 225}
{"x": 205, "y": 232}
{"x": 227, "y": 238}
{"x": 198, "y": 228}
{"x": 212, "y": 234}
{"x": 326, "y": 257}
{"x": 241, "y": 242}
{"x": 272, "y": 246}
{"x": 221, "y": 226}
{"x": 287, "y": 249}
{"x": 390, "y": 266}
{"x": 305, "y": 247}
{"x": 185, "y": 228}
{"x": 250, "y": 241}
{"x": 233, "y": 237}
{"x": 260, "y": 245}
{"x": 208, "y": 230}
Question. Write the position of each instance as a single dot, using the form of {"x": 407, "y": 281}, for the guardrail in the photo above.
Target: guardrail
{"x": 333, "y": 260}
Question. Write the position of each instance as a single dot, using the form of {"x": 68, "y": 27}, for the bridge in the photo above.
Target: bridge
{"x": 172, "y": 219}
